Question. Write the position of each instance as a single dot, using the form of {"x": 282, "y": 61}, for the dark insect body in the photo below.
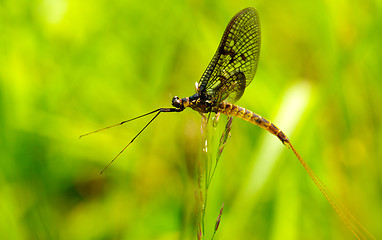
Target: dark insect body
{"x": 230, "y": 71}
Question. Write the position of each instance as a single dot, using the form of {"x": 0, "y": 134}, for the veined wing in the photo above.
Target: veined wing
{"x": 234, "y": 64}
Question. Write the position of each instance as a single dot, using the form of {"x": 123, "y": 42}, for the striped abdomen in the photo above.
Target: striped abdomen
{"x": 234, "y": 110}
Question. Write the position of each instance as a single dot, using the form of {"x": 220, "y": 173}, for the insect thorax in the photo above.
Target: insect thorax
{"x": 201, "y": 103}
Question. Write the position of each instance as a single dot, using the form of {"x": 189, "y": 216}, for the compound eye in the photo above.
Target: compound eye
{"x": 175, "y": 99}
{"x": 177, "y": 102}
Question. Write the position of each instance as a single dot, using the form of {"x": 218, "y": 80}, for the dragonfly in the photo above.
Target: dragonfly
{"x": 230, "y": 71}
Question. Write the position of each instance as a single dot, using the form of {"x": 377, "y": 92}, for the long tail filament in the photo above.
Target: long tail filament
{"x": 359, "y": 231}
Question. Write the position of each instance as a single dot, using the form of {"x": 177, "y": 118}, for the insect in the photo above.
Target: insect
{"x": 230, "y": 71}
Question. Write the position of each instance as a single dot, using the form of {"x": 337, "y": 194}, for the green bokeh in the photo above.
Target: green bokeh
{"x": 69, "y": 67}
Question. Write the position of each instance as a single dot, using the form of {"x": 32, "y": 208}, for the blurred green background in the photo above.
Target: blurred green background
{"x": 69, "y": 67}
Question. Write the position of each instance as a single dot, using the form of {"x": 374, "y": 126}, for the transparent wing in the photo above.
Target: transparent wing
{"x": 237, "y": 55}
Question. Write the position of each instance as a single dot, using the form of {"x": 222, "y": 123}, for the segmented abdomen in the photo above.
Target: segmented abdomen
{"x": 234, "y": 110}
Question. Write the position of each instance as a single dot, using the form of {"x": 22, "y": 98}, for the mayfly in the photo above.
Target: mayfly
{"x": 230, "y": 71}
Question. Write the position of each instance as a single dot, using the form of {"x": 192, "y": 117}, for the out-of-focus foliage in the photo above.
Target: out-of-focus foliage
{"x": 69, "y": 67}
